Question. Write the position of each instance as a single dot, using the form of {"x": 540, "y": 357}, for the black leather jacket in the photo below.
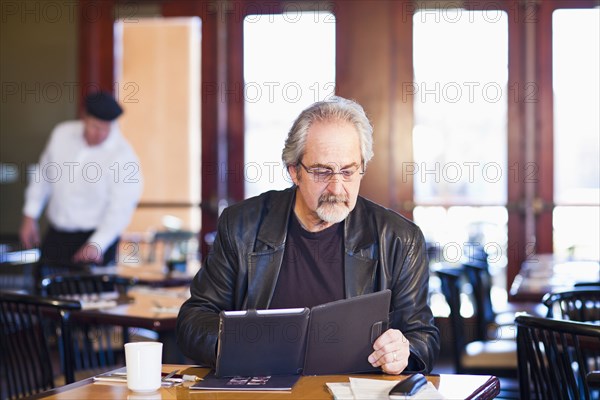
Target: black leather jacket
{"x": 383, "y": 250}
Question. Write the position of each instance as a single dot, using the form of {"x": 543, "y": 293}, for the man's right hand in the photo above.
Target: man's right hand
{"x": 29, "y": 233}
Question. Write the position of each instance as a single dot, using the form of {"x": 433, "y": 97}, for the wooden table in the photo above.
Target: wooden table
{"x": 153, "y": 274}
{"x": 152, "y": 308}
{"x": 451, "y": 386}
{"x": 545, "y": 273}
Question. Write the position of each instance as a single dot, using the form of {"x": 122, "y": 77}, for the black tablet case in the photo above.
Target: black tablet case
{"x": 341, "y": 334}
{"x": 340, "y": 338}
{"x": 256, "y": 344}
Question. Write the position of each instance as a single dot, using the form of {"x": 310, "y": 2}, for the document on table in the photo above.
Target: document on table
{"x": 366, "y": 389}
{"x": 247, "y": 383}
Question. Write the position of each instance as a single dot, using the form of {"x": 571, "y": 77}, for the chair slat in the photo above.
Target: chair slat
{"x": 25, "y": 361}
{"x": 554, "y": 357}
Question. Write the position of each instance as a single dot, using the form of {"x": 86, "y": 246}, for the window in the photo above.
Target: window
{"x": 576, "y": 88}
{"x": 289, "y": 63}
{"x": 460, "y": 132}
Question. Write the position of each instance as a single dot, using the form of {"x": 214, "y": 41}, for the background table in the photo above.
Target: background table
{"x": 149, "y": 274}
{"x": 153, "y": 309}
{"x": 545, "y": 273}
{"x": 481, "y": 387}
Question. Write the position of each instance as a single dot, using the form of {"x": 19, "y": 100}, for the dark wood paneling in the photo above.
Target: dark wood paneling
{"x": 516, "y": 146}
{"x": 96, "y": 46}
{"x": 234, "y": 134}
{"x": 545, "y": 130}
{"x": 402, "y": 106}
{"x": 363, "y": 71}
{"x": 209, "y": 99}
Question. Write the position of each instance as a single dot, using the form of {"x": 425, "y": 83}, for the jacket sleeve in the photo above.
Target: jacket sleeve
{"x": 410, "y": 310}
{"x": 212, "y": 291}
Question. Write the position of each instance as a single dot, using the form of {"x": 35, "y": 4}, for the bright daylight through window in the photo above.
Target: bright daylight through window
{"x": 460, "y": 133}
{"x": 576, "y": 87}
{"x": 289, "y": 63}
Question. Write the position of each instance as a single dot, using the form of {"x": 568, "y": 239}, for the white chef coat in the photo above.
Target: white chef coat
{"x": 85, "y": 187}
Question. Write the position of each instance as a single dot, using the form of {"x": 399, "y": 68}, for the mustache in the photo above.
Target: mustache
{"x": 333, "y": 198}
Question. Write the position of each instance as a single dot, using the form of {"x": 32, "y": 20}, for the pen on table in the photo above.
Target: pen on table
{"x": 191, "y": 378}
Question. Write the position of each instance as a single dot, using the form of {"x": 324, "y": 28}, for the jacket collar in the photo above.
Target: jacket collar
{"x": 358, "y": 232}
{"x": 265, "y": 262}
{"x": 273, "y": 230}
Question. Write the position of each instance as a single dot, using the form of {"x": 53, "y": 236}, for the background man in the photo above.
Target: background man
{"x": 90, "y": 178}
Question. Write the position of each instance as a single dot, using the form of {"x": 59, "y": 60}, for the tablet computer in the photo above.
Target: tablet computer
{"x": 341, "y": 334}
{"x": 261, "y": 342}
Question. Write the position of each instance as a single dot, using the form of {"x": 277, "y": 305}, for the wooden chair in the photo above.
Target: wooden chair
{"x": 578, "y": 304}
{"x": 493, "y": 323}
{"x": 96, "y": 347}
{"x": 593, "y": 380}
{"x": 582, "y": 284}
{"x": 25, "y": 353}
{"x": 496, "y": 357}
{"x": 555, "y": 357}
{"x": 174, "y": 245}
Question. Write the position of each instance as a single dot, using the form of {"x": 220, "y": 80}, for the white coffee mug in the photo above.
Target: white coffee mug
{"x": 144, "y": 366}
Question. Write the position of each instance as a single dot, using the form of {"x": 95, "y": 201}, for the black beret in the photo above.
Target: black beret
{"x": 102, "y": 106}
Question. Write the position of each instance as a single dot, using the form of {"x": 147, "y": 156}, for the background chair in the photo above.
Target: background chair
{"x": 17, "y": 276}
{"x": 25, "y": 354}
{"x": 581, "y": 284}
{"x": 44, "y": 270}
{"x": 578, "y": 304}
{"x": 497, "y": 357}
{"x": 492, "y": 323}
{"x": 555, "y": 356}
{"x": 96, "y": 347}
{"x": 593, "y": 380}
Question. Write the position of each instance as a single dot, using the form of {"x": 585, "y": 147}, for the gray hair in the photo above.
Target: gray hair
{"x": 334, "y": 109}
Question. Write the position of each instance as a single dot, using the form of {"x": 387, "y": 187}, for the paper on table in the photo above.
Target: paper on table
{"x": 340, "y": 390}
{"x": 376, "y": 389}
{"x": 121, "y": 376}
{"x": 166, "y": 310}
{"x": 97, "y": 304}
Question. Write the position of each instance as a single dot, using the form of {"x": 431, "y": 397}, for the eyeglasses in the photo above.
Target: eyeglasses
{"x": 324, "y": 174}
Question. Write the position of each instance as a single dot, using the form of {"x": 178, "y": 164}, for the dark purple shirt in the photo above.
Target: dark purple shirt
{"x": 312, "y": 271}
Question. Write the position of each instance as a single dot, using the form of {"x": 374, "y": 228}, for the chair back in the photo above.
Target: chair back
{"x": 590, "y": 283}
{"x": 25, "y": 354}
{"x": 450, "y": 285}
{"x": 175, "y": 245}
{"x": 85, "y": 285}
{"x": 480, "y": 279}
{"x": 472, "y": 356}
{"x": 578, "y": 304}
{"x": 555, "y": 357}
{"x": 96, "y": 346}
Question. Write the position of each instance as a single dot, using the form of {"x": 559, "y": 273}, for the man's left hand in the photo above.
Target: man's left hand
{"x": 88, "y": 254}
{"x": 391, "y": 352}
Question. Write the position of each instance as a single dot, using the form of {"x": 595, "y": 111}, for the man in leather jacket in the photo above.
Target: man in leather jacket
{"x": 315, "y": 242}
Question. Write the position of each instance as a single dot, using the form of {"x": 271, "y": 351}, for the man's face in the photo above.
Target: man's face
{"x": 96, "y": 130}
{"x": 324, "y": 198}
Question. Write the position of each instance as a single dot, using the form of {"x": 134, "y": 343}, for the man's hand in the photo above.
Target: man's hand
{"x": 391, "y": 352}
{"x": 29, "y": 233}
{"x": 89, "y": 253}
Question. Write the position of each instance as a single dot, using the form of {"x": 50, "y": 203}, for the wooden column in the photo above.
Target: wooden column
{"x": 544, "y": 132}
{"x": 209, "y": 99}
{"x": 96, "y": 46}
{"x": 517, "y": 238}
{"x": 402, "y": 108}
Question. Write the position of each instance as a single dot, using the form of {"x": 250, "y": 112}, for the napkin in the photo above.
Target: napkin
{"x": 376, "y": 389}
